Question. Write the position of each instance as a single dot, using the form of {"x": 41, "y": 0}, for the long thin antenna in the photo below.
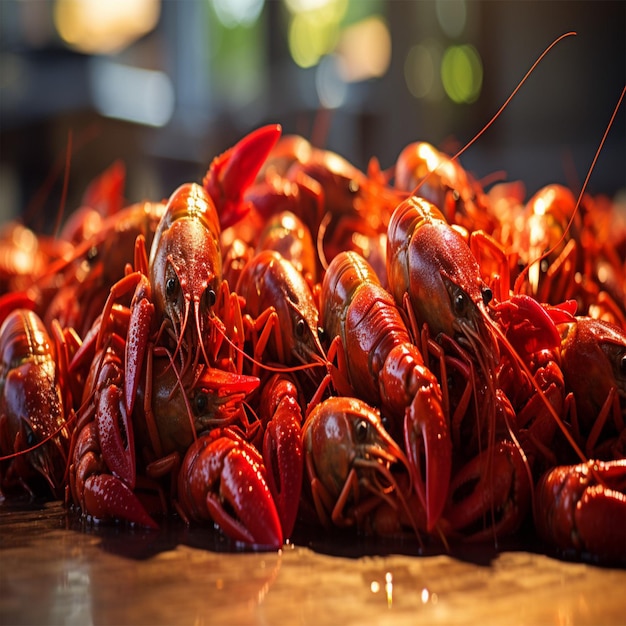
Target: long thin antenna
{"x": 547, "y": 253}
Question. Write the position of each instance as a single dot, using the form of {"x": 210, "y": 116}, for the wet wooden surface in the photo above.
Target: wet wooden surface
{"x": 56, "y": 571}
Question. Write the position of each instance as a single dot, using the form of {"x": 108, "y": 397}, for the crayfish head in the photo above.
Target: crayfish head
{"x": 216, "y": 397}
{"x": 305, "y": 335}
{"x": 187, "y": 404}
{"x": 475, "y": 332}
{"x": 344, "y": 434}
{"x": 271, "y": 280}
{"x": 471, "y": 324}
{"x": 185, "y": 261}
{"x": 186, "y": 276}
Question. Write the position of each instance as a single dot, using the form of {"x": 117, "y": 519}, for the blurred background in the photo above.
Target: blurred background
{"x": 166, "y": 85}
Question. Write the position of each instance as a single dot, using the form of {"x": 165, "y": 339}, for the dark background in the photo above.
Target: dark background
{"x": 549, "y": 133}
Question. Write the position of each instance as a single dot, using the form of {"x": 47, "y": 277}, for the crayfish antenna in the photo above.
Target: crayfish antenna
{"x": 498, "y": 112}
{"x": 196, "y": 305}
{"x": 318, "y": 361}
{"x": 547, "y": 253}
{"x": 321, "y": 232}
{"x": 66, "y": 179}
{"x": 498, "y": 331}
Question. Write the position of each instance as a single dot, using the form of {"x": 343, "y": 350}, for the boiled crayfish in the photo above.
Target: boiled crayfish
{"x": 35, "y": 406}
{"x": 294, "y": 341}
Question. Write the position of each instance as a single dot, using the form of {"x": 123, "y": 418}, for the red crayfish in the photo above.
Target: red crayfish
{"x": 295, "y": 341}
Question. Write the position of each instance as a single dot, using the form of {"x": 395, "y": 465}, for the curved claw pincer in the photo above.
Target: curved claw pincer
{"x": 223, "y": 479}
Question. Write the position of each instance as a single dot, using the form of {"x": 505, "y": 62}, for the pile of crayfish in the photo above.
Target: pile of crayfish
{"x": 293, "y": 341}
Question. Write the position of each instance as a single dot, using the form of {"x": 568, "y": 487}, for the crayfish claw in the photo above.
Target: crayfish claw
{"x": 283, "y": 455}
{"x": 232, "y": 172}
{"x": 490, "y": 495}
{"x": 427, "y": 435}
{"x": 582, "y": 508}
{"x": 118, "y": 447}
{"x": 107, "y": 497}
{"x": 223, "y": 479}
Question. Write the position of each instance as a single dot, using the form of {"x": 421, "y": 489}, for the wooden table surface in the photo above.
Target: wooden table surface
{"x": 54, "y": 570}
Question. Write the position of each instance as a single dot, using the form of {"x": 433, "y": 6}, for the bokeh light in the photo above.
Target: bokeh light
{"x": 131, "y": 93}
{"x": 314, "y": 28}
{"x": 421, "y": 70}
{"x": 452, "y": 16}
{"x": 330, "y": 86}
{"x": 236, "y": 47}
{"x": 462, "y": 73}
{"x": 353, "y": 32}
{"x": 97, "y": 27}
{"x": 364, "y": 49}
{"x": 310, "y": 37}
{"x": 232, "y": 13}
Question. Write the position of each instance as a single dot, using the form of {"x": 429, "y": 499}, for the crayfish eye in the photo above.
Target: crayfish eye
{"x": 200, "y": 403}
{"x": 487, "y": 295}
{"x": 459, "y": 304}
{"x": 361, "y": 431}
{"x": 300, "y": 328}
{"x": 31, "y": 439}
{"x": 211, "y": 297}
{"x": 321, "y": 334}
{"x": 622, "y": 365}
{"x": 171, "y": 287}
